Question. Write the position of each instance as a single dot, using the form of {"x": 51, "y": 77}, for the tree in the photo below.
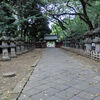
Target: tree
{"x": 23, "y": 18}
{"x": 73, "y": 8}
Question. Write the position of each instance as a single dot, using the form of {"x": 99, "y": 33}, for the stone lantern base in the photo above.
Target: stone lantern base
{"x": 18, "y": 50}
{"x": 13, "y": 53}
{"x": 97, "y": 48}
{"x": 88, "y": 47}
{"x": 5, "y": 55}
{"x": 22, "y": 48}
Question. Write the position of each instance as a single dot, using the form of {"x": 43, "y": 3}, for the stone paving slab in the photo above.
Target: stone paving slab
{"x": 59, "y": 76}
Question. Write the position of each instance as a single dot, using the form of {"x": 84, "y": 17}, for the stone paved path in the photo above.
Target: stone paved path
{"x": 59, "y": 76}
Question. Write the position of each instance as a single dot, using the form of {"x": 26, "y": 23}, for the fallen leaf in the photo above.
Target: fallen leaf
{"x": 97, "y": 95}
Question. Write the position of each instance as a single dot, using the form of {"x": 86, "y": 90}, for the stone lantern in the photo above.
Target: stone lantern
{"x": 88, "y": 41}
{"x": 96, "y": 40}
{"x": 18, "y": 46}
{"x": 22, "y": 46}
{"x": 77, "y": 45}
{"x": 13, "y": 46}
{"x": 81, "y": 42}
{"x": 26, "y": 47}
{"x": 5, "y": 55}
{"x": 64, "y": 42}
{"x": 69, "y": 42}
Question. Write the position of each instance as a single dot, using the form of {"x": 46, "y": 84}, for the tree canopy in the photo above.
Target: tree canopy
{"x": 74, "y": 17}
{"x": 23, "y": 18}
{"x": 30, "y": 19}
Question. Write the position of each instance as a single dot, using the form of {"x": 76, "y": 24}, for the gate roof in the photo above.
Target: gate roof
{"x": 50, "y": 37}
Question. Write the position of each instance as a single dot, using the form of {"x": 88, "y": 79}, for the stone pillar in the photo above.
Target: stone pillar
{"x": 97, "y": 48}
{"x": 88, "y": 47}
{"x": 5, "y": 55}
{"x": 96, "y": 40}
{"x": 65, "y": 43}
{"x": 18, "y": 48}
{"x": 25, "y": 47}
{"x": 33, "y": 45}
{"x": 76, "y": 45}
{"x": 13, "y": 52}
{"x": 22, "y": 47}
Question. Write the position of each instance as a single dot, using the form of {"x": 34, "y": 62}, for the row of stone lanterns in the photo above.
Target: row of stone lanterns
{"x": 17, "y": 46}
{"x": 92, "y": 40}
{"x": 89, "y": 42}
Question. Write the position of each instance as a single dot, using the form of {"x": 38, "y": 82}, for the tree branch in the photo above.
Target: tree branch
{"x": 60, "y": 23}
{"x": 58, "y": 15}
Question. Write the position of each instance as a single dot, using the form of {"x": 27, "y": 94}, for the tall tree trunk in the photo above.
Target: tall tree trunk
{"x": 86, "y": 18}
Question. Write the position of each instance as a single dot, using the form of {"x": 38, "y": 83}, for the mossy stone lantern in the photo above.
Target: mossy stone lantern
{"x": 96, "y": 40}
{"x": 22, "y": 45}
{"x": 88, "y": 41}
{"x": 80, "y": 38}
{"x": 18, "y": 45}
{"x": 13, "y": 46}
{"x": 5, "y": 46}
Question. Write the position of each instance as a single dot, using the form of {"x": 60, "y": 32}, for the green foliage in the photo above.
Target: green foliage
{"x": 6, "y": 18}
{"x": 94, "y": 13}
{"x": 75, "y": 26}
{"x": 23, "y": 18}
{"x": 30, "y": 22}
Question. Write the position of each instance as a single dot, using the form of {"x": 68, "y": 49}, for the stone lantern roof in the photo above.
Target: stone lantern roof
{"x": 96, "y": 40}
{"x": 88, "y": 40}
{"x": 18, "y": 39}
{"x": 96, "y": 31}
{"x": 12, "y": 39}
{"x": 88, "y": 33}
{"x": 4, "y": 38}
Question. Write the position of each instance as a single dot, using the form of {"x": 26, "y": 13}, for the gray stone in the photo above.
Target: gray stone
{"x": 54, "y": 98}
{"x": 9, "y": 74}
{"x": 77, "y": 98}
{"x": 93, "y": 90}
{"x": 5, "y": 55}
{"x": 97, "y": 78}
{"x": 1, "y": 92}
{"x": 97, "y": 98}
{"x": 40, "y": 96}
{"x": 81, "y": 86}
{"x": 13, "y": 52}
{"x": 86, "y": 95}
{"x": 34, "y": 65}
{"x": 60, "y": 78}
{"x": 18, "y": 50}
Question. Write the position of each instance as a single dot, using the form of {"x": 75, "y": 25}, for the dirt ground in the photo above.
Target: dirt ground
{"x": 21, "y": 66}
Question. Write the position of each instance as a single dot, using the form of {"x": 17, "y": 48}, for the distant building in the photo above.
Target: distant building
{"x": 50, "y": 37}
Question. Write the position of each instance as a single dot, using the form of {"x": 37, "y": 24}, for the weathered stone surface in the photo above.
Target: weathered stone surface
{"x": 5, "y": 55}
{"x": 1, "y": 92}
{"x": 97, "y": 98}
{"x": 33, "y": 65}
{"x": 97, "y": 78}
{"x": 58, "y": 76}
{"x": 9, "y": 74}
{"x": 13, "y": 53}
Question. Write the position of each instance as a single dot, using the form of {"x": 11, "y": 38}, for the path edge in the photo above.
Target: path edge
{"x": 23, "y": 84}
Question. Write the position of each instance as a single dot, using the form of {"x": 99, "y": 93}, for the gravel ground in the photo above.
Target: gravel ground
{"x": 21, "y": 66}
